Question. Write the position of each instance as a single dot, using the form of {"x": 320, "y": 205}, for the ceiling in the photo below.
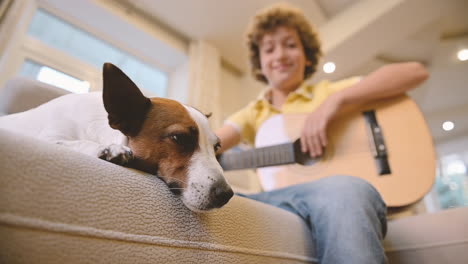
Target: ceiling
{"x": 358, "y": 35}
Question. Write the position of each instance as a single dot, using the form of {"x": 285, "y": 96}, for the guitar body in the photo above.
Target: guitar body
{"x": 409, "y": 150}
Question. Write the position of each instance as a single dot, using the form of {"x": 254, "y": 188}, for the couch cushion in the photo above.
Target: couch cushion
{"x": 22, "y": 93}
{"x": 60, "y": 206}
{"x": 429, "y": 238}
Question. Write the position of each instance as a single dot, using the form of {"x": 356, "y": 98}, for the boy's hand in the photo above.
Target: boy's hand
{"x": 314, "y": 132}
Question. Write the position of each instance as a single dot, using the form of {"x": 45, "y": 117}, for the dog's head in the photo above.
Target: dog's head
{"x": 168, "y": 139}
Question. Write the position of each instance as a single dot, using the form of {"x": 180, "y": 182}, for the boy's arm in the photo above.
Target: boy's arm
{"x": 228, "y": 137}
{"x": 387, "y": 81}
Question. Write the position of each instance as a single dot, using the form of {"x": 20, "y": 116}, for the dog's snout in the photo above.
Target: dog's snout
{"x": 221, "y": 193}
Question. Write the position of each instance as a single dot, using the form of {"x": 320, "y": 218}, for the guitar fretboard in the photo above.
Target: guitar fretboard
{"x": 260, "y": 157}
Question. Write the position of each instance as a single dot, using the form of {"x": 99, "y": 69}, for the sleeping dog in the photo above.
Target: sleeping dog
{"x": 121, "y": 125}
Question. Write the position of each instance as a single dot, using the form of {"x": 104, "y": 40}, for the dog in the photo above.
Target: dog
{"x": 155, "y": 135}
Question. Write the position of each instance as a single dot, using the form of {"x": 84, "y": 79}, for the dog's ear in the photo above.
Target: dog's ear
{"x": 125, "y": 104}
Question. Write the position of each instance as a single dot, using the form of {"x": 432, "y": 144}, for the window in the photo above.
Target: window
{"x": 451, "y": 186}
{"x": 60, "y": 35}
{"x": 54, "y": 77}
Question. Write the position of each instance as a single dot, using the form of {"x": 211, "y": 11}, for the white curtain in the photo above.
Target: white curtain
{"x": 204, "y": 80}
{"x": 4, "y": 4}
{"x": 14, "y": 20}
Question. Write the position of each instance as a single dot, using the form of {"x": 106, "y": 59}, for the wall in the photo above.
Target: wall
{"x": 237, "y": 90}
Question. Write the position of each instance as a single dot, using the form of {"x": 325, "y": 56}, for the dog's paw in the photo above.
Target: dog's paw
{"x": 116, "y": 154}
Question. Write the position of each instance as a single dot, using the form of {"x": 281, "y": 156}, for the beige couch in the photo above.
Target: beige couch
{"x": 59, "y": 206}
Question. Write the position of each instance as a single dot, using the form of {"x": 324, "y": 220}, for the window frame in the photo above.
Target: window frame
{"x": 21, "y": 47}
{"x": 41, "y": 53}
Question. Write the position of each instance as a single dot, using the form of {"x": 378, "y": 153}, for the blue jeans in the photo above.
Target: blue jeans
{"x": 346, "y": 216}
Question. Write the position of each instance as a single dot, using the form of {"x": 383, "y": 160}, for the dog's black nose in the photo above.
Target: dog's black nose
{"x": 220, "y": 195}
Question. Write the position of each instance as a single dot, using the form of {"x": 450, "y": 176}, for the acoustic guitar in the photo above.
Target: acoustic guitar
{"x": 387, "y": 143}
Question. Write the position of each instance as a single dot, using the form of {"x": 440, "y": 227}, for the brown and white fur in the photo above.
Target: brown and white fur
{"x": 157, "y": 135}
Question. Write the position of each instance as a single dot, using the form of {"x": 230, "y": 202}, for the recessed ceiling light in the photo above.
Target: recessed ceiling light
{"x": 462, "y": 54}
{"x": 329, "y": 67}
{"x": 448, "y": 125}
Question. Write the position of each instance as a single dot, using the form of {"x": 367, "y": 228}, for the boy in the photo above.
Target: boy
{"x": 346, "y": 215}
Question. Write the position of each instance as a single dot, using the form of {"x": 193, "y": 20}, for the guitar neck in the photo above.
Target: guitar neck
{"x": 261, "y": 157}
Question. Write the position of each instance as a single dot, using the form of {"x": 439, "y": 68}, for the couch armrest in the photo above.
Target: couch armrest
{"x": 60, "y": 206}
{"x": 22, "y": 93}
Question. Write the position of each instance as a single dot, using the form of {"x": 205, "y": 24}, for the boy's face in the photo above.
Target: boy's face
{"x": 282, "y": 58}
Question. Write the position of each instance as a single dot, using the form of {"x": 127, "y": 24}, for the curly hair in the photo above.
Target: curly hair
{"x": 267, "y": 21}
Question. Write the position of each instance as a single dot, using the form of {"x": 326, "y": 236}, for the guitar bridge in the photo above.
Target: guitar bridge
{"x": 377, "y": 143}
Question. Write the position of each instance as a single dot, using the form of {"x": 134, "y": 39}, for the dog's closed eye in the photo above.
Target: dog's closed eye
{"x": 217, "y": 146}
{"x": 187, "y": 142}
{"x": 181, "y": 139}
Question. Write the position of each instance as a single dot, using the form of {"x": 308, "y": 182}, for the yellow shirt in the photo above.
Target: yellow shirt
{"x": 305, "y": 99}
